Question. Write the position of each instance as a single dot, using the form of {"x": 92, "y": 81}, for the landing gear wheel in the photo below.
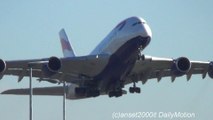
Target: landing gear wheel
{"x": 117, "y": 93}
{"x": 110, "y": 94}
{"x": 134, "y": 90}
{"x": 131, "y": 89}
{"x": 95, "y": 93}
{"x": 137, "y": 90}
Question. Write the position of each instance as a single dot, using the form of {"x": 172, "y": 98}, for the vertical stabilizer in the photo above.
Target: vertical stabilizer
{"x": 65, "y": 44}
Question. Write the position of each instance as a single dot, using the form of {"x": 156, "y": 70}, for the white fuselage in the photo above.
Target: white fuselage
{"x": 124, "y": 31}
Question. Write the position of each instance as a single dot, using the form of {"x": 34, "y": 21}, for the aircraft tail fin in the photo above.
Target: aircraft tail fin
{"x": 65, "y": 44}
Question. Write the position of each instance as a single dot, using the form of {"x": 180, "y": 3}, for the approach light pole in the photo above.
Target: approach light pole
{"x": 31, "y": 93}
{"x": 64, "y": 101}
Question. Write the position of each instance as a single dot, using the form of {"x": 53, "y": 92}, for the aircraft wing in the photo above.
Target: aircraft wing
{"x": 53, "y": 91}
{"x": 154, "y": 67}
{"x": 54, "y": 69}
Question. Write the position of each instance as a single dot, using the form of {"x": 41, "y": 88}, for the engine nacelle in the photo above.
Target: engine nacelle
{"x": 76, "y": 92}
{"x": 2, "y": 65}
{"x": 210, "y": 70}
{"x": 54, "y": 64}
{"x": 181, "y": 66}
{"x": 71, "y": 92}
{"x": 52, "y": 67}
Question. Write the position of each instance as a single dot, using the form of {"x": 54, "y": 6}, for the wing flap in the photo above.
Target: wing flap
{"x": 72, "y": 78}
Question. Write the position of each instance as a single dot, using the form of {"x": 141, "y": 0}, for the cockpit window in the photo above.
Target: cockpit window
{"x": 121, "y": 25}
{"x": 137, "y": 23}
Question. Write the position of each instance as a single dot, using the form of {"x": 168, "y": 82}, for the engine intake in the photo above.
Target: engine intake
{"x": 2, "y": 65}
{"x": 54, "y": 64}
{"x": 181, "y": 66}
{"x": 210, "y": 71}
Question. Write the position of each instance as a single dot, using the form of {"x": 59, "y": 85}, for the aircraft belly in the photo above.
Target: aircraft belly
{"x": 120, "y": 64}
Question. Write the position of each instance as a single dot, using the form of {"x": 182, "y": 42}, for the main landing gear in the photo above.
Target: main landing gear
{"x": 134, "y": 89}
{"x": 84, "y": 91}
{"x": 116, "y": 93}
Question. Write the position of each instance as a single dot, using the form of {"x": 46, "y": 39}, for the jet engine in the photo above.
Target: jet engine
{"x": 210, "y": 71}
{"x": 76, "y": 92}
{"x": 53, "y": 66}
{"x": 181, "y": 66}
{"x": 2, "y": 65}
{"x": 71, "y": 92}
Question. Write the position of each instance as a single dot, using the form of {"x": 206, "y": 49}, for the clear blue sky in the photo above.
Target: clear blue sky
{"x": 180, "y": 28}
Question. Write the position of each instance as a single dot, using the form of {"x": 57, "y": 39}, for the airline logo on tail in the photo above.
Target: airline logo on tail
{"x": 65, "y": 44}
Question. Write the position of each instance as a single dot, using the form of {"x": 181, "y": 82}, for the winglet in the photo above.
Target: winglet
{"x": 65, "y": 44}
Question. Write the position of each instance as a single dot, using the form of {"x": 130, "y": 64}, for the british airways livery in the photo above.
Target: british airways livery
{"x": 114, "y": 63}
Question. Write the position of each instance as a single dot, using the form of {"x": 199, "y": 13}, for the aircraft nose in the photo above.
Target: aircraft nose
{"x": 148, "y": 31}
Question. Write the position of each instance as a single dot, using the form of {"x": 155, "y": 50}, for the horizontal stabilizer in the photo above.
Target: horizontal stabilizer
{"x": 53, "y": 91}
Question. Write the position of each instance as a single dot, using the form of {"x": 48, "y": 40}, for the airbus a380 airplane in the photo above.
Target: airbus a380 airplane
{"x": 115, "y": 62}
